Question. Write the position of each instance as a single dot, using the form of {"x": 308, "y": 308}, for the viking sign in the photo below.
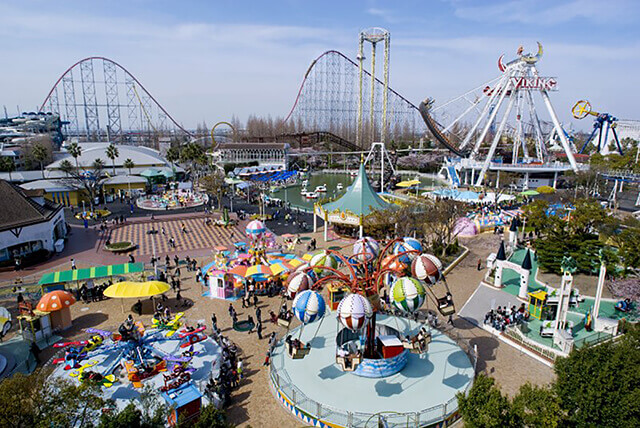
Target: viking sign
{"x": 537, "y": 83}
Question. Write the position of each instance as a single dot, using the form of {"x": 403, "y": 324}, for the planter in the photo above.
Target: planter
{"x": 120, "y": 247}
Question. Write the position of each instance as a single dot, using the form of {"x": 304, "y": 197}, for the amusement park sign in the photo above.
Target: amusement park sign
{"x": 539, "y": 83}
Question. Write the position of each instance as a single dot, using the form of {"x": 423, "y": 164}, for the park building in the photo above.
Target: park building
{"x": 30, "y": 225}
{"x": 263, "y": 153}
{"x": 149, "y": 168}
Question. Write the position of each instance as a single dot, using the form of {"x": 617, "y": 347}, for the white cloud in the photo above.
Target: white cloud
{"x": 546, "y": 13}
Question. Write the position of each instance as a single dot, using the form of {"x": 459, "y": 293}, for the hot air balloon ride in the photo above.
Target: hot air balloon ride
{"x": 298, "y": 281}
{"x": 408, "y": 248}
{"x": 354, "y": 312}
{"x": 428, "y": 268}
{"x": 322, "y": 260}
{"x": 308, "y": 307}
{"x": 366, "y": 249}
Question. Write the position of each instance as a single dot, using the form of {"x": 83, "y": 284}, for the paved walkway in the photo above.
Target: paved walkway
{"x": 197, "y": 236}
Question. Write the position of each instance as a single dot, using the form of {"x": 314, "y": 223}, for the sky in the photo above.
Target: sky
{"x": 209, "y": 60}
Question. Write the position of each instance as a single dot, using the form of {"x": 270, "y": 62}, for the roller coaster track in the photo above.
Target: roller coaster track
{"x": 343, "y": 56}
{"x": 324, "y": 84}
{"x": 90, "y": 100}
{"x": 306, "y": 139}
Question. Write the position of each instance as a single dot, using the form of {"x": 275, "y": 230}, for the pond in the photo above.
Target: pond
{"x": 331, "y": 181}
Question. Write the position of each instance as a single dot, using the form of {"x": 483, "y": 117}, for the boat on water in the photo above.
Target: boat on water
{"x": 353, "y": 173}
{"x": 310, "y": 195}
{"x": 305, "y": 183}
{"x": 339, "y": 187}
{"x": 321, "y": 189}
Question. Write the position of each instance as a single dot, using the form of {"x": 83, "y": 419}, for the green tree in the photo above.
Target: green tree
{"x": 38, "y": 400}
{"x": 128, "y": 163}
{"x": 7, "y": 164}
{"x": 536, "y": 214}
{"x": 211, "y": 417}
{"x": 173, "y": 155}
{"x": 39, "y": 153}
{"x": 192, "y": 152}
{"x": 214, "y": 184}
{"x": 599, "y": 386}
{"x": 75, "y": 151}
{"x": 485, "y": 406}
{"x": 129, "y": 417}
{"x": 112, "y": 153}
{"x": 537, "y": 407}
{"x": 588, "y": 213}
{"x": 66, "y": 167}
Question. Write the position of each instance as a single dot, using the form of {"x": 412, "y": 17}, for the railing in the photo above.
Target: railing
{"x": 281, "y": 381}
{"x": 517, "y": 336}
{"x": 592, "y": 339}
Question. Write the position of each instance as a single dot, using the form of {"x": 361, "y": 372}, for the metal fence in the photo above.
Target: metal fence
{"x": 425, "y": 417}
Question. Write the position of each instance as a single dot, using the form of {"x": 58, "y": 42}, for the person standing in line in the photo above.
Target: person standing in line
{"x": 240, "y": 368}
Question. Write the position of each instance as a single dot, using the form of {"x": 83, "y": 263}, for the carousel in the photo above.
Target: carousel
{"x": 371, "y": 360}
{"x": 172, "y": 200}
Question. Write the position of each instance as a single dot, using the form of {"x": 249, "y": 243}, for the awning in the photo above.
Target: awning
{"x": 408, "y": 183}
{"x": 90, "y": 273}
{"x": 130, "y": 289}
{"x": 151, "y": 172}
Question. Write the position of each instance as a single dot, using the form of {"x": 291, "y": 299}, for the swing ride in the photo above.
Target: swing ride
{"x": 500, "y": 118}
{"x": 123, "y": 361}
{"x": 366, "y": 340}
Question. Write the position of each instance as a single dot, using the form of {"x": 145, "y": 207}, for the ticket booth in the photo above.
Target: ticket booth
{"x": 536, "y": 303}
{"x": 184, "y": 403}
{"x": 337, "y": 291}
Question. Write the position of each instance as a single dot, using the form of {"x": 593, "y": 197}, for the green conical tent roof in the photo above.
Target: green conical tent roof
{"x": 360, "y": 198}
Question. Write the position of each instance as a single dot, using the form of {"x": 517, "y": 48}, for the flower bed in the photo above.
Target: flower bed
{"x": 118, "y": 247}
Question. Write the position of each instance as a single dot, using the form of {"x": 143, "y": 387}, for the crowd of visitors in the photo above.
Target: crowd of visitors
{"x": 502, "y": 318}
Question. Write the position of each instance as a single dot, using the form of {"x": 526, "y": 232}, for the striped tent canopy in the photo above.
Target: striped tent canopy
{"x": 90, "y": 273}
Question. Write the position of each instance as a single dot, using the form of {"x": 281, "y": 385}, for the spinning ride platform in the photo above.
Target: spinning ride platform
{"x": 204, "y": 363}
{"x": 422, "y": 393}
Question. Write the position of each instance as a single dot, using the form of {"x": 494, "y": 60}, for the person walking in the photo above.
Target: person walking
{"x": 214, "y": 322}
{"x": 251, "y": 323}
{"x": 258, "y": 314}
{"x": 259, "y": 330}
{"x": 73, "y": 264}
{"x": 479, "y": 264}
{"x": 450, "y": 320}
